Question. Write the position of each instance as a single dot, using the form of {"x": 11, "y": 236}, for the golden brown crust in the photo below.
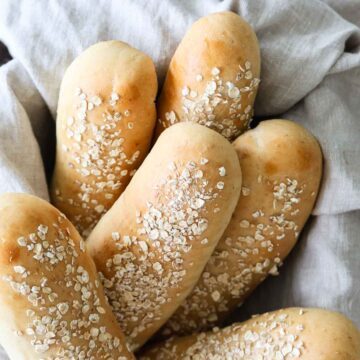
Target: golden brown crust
{"x": 51, "y": 301}
{"x": 294, "y": 333}
{"x": 213, "y": 76}
{"x": 281, "y": 164}
{"x": 106, "y": 116}
{"x": 156, "y": 239}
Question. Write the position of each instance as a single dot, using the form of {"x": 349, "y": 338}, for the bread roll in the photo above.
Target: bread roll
{"x": 51, "y": 301}
{"x": 105, "y": 120}
{"x": 213, "y": 77}
{"x": 281, "y": 164}
{"x": 152, "y": 245}
{"x": 304, "y": 334}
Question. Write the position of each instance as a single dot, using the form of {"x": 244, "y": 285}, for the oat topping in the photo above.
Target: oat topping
{"x": 199, "y": 77}
{"x": 220, "y": 185}
{"x": 96, "y": 152}
{"x": 245, "y": 191}
{"x": 222, "y": 171}
{"x": 220, "y": 105}
{"x": 252, "y": 252}
{"x": 56, "y": 327}
{"x": 151, "y": 261}
{"x": 272, "y": 336}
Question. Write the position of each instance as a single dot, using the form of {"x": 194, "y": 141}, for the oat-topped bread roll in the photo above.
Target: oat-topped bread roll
{"x": 294, "y": 333}
{"x": 281, "y": 164}
{"x": 213, "y": 77}
{"x": 51, "y": 301}
{"x": 152, "y": 245}
{"x": 105, "y": 119}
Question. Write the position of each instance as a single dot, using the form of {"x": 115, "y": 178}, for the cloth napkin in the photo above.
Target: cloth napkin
{"x": 310, "y": 53}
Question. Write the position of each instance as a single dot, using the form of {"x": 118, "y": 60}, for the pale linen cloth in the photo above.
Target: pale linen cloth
{"x": 310, "y": 73}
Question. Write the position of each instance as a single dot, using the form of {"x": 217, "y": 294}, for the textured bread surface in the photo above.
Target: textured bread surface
{"x": 213, "y": 76}
{"x": 105, "y": 119}
{"x": 281, "y": 166}
{"x": 294, "y": 333}
{"x": 52, "y": 303}
{"x": 152, "y": 245}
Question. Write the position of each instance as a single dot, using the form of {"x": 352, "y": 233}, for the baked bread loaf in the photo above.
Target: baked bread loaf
{"x": 152, "y": 245}
{"x": 213, "y": 77}
{"x": 105, "y": 120}
{"x": 281, "y": 164}
{"x": 294, "y": 333}
{"x": 51, "y": 301}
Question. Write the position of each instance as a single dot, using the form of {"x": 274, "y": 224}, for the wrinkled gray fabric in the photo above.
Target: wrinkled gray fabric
{"x": 310, "y": 73}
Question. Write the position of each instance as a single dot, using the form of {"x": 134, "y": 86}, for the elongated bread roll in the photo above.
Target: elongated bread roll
{"x": 294, "y": 333}
{"x": 51, "y": 301}
{"x": 213, "y": 77}
{"x": 105, "y": 120}
{"x": 281, "y": 164}
{"x": 152, "y": 245}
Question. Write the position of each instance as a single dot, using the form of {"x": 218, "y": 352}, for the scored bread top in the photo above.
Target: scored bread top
{"x": 52, "y": 303}
{"x": 281, "y": 164}
{"x": 152, "y": 245}
{"x": 105, "y": 120}
{"x": 213, "y": 76}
